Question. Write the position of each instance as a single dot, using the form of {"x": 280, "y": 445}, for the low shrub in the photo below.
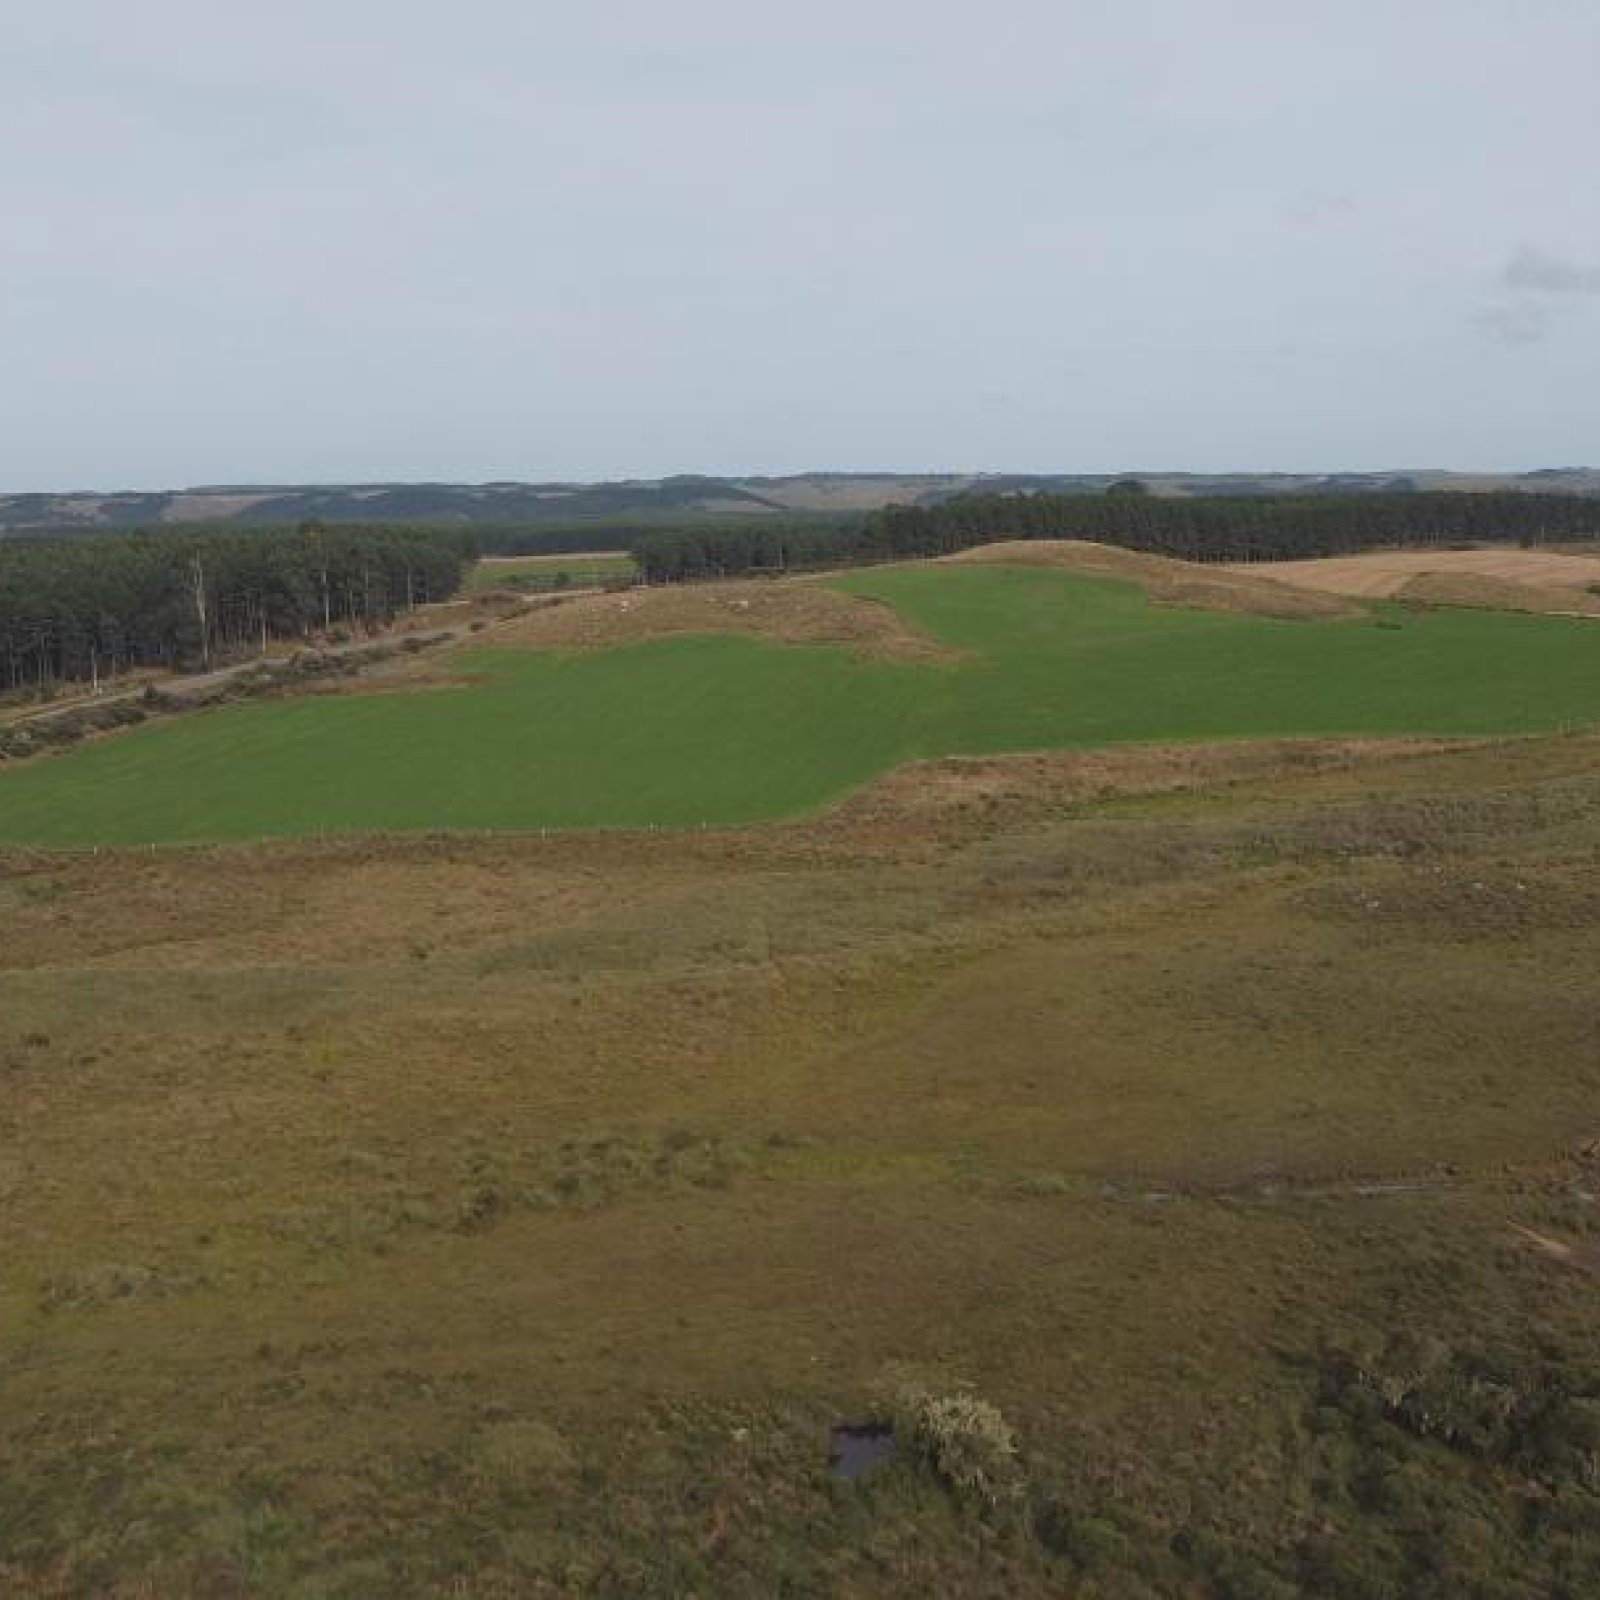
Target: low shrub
{"x": 966, "y": 1442}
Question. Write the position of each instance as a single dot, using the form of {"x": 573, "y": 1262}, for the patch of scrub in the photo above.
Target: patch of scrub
{"x": 788, "y": 612}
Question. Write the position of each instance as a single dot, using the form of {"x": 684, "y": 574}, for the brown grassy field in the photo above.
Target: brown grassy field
{"x": 1480, "y": 592}
{"x": 1384, "y": 574}
{"x": 792, "y": 611}
{"x": 513, "y": 1217}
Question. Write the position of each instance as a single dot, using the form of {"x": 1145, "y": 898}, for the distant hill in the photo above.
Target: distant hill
{"x": 814, "y": 492}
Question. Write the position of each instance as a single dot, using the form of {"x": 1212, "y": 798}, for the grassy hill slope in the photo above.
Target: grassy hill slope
{"x": 514, "y": 1217}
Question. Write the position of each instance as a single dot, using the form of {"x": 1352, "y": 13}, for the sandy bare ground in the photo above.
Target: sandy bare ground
{"x": 1382, "y": 574}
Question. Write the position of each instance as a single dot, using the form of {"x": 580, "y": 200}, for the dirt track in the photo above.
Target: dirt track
{"x": 188, "y": 687}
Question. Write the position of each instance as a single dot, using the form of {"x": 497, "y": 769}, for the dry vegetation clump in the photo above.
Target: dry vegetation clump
{"x": 523, "y": 1453}
{"x": 492, "y": 1187}
{"x": 97, "y": 1285}
{"x": 1167, "y": 582}
{"x": 790, "y": 611}
{"x": 1483, "y": 903}
{"x": 1481, "y": 592}
{"x": 983, "y": 792}
{"x": 965, "y": 1441}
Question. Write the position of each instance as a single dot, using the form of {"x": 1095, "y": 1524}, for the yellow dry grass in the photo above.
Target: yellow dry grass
{"x": 792, "y": 611}
{"x": 1167, "y": 582}
{"x": 930, "y": 797}
{"x": 1480, "y": 592}
{"x": 1382, "y": 574}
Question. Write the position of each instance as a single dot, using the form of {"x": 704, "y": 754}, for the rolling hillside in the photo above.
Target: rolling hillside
{"x": 490, "y": 503}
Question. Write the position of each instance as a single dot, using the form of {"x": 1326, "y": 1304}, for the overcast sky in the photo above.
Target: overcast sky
{"x": 366, "y": 239}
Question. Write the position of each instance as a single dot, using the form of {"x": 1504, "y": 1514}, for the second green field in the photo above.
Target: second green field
{"x": 724, "y": 730}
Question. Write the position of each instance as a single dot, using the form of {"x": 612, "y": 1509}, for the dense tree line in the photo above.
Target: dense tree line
{"x": 488, "y": 538}
{"x": 781, "y": 528}
{"x": 720, "y": 550}
{"x": 1251, "y": 528}
{"x": 85, "y": 609}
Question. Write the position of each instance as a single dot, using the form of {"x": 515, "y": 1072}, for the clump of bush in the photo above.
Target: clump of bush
{"x": 582, "y": 1175}
{"x": 1528, "y": 1411}
{"x": 965, "y": 1441}
{"x": 96, "y": 1285}
{"x": 68, "y": 728}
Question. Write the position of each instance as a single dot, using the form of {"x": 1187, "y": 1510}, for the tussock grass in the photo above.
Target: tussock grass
{"x": 392, "y": 1216}
{"x": 1483, "y": 592}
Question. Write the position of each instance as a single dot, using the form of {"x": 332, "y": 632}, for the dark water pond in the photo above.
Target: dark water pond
{"x": 857, "y": 1448}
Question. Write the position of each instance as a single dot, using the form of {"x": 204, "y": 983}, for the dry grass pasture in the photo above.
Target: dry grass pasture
{"x": 513, "y": 1217}
{"x": 1385, "y": 574}
{"x": 1479, "y": 591}
{"x": 796, "y": 611}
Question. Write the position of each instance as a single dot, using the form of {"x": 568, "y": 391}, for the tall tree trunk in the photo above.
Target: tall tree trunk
{"x": 198, "y": 573}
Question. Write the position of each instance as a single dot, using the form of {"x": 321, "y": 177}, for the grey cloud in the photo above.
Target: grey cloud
{"x": 1515, "y": 322}
{"x": 1536, "y": 297}
{"x": 368, "y": 239}
{"x": 1534, "y": 272}
{"x": 1322, "y": 206}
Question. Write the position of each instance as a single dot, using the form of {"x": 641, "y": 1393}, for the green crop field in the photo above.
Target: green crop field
{"x": 722, "y": 730}
{"x": 581, "y": 570}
